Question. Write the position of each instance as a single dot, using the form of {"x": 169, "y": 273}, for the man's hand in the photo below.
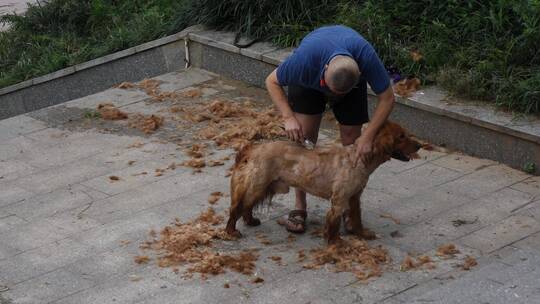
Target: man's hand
{"x": 364, "y": 149}
{"x": 293, "y": 129}
{"x": 292, "y": 126}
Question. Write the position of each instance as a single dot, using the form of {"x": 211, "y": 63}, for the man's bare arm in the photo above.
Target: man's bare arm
{"x": 382, "y": 111}
{"x": 277, "y": 94}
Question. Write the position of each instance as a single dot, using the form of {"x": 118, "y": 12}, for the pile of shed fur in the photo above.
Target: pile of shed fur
{"x": 192, "y": 243}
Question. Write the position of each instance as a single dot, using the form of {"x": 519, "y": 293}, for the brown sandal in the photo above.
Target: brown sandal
{"x": 294, "y": 219}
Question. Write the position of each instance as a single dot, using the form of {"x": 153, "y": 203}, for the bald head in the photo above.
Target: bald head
{"x": 342, "y": 74}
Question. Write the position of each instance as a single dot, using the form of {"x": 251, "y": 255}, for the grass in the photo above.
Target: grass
{"x": 487, "y": 50}
{"x": 60, "y": 33}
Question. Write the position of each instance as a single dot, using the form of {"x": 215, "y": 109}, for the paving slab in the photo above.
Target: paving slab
{"x": 11, "y": 194}
{"x": 118, "y": 97}
{"x": 484, "y": 181}
{"x": 14, "y": 168}
{"x": 531, "y": 185}
{"x": 425, "y": 156}
{"x": 116, "y": 290}
{"x": 7, "y": 133}
{"x": 23, "y": 124}
{"x": 412, "y": 181}
{"x": 460, "y": 221}
{"x": 36, "y": 262}
{"x": 49, "y": 204}
{"x": 70, "y": 233}
{"x": 30, "y": 235}
{"x": 462, "y": 163}
{"x": 49, "y": 287}
{"x": 508, "y": 231}
{"x": 421, "y": 206}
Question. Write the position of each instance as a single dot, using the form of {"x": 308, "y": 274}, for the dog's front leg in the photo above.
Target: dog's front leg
{"x": 355, "y": 219}
{"x": 333, "y": 220}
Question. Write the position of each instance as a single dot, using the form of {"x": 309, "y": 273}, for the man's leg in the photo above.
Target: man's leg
{"x": 310, "y": 127}
{"x": 349, "y": 134}
{"x": 308, "y": 106}
{"x": 351, "y": 112}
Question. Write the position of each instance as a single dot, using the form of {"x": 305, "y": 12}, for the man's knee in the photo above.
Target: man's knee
{"x": 350, "y": 134}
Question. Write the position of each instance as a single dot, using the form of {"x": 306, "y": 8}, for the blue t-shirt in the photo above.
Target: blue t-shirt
{"x": 305, "y": 67}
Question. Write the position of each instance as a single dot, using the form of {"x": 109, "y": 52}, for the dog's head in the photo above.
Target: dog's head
{"x": 394, "y": 141}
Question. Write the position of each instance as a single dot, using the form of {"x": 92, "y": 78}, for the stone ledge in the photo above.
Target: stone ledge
{"x": 100, "y": 60}
{"x": 105, "y": 59}
{"x": 17, "y": 86}
{"x": 430, "y": 99}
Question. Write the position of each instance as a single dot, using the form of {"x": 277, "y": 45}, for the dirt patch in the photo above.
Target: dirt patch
{"x": 151, "y": 88}
{"x": 444, "y": 252}
{"x": 407, "y": 87}
{"x": 277, "y": 259}
{"x": 192, "y": 93}
{"x": 196, "y": 163}
{"x": 422, "y": 261}
{"x": 109, "y": 111}
{"x": 126, "y": 85}
{"x": 215, "y": 163}
{"x": 258, "y": 280}
{"x": 263, "y": 239}
{"x": 447, "y": 251}
{"x": 197, "y": 150}
{"x": 469, "y": 263}
{"x": 145, "y": 123}
{"x": 214, "y": 197}
{"x": 141, "y": 259}
{"x": 389, "y": 216}
{"x": 232, "y": 124}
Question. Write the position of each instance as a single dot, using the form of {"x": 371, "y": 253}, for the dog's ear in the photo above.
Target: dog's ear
{"x": 383, "y": 143}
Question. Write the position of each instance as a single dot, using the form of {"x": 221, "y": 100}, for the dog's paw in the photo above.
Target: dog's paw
{"x": 367, "y": 234}
{"x": 253, "y": 222}
{"x": 335, "y": 240}
{"x": 233, "y": 234}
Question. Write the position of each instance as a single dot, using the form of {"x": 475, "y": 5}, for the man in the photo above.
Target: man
{"x": 331, "y": 64}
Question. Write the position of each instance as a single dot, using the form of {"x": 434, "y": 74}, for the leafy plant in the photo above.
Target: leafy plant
{"x": 529, "y": 168}
{"x": 488, "y": 50}
{"x": 91, "y": 114}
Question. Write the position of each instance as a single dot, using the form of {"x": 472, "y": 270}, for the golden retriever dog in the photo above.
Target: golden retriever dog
{"x": 263, "y": 170}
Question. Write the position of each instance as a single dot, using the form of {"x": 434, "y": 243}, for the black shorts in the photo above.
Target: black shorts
{"x": 350, "y": 109}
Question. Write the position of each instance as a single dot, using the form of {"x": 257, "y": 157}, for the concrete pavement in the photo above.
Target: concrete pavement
{"x": 68, "y": 234}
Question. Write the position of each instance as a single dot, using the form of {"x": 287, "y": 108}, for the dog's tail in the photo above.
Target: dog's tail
{"x": 243, "y": 154}
{"x": 243, "y": 180}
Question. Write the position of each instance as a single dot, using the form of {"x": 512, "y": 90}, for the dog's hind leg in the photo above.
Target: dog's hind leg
{"x": 333, "y": 220}
{"x": 256, "y": 194}
{"x": 247, "y": 215}
{"x": 238, "y": 190}
{"x": 234, "y": 215}
{"x": 355, "y": 219}
{"x": 261, "y": 195}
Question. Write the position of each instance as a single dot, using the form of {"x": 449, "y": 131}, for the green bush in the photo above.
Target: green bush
{"x": 59, "y": 33}
{"x": 488, "y": 50}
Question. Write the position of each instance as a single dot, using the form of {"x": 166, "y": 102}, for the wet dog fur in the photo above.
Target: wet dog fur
{"x": 262, "y": 170}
